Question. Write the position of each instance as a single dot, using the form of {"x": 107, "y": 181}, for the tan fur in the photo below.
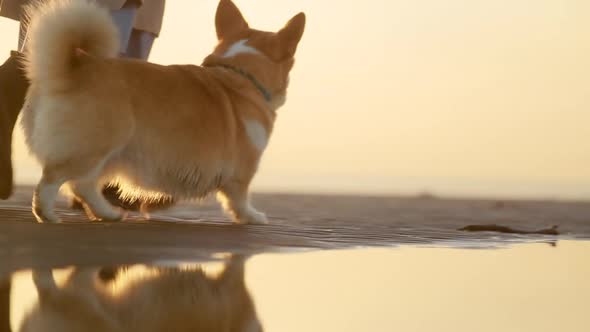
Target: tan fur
{"x": 156, "y": 299}
{"x": 159, "y": 131}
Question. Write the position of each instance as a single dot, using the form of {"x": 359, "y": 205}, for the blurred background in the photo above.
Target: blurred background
{"x": 456, "y": 98}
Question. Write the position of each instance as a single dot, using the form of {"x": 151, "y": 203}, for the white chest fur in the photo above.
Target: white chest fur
{"x": 257, "y": 134}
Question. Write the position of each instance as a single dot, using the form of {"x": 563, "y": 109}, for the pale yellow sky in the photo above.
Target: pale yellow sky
{"x": 458, "y": 97}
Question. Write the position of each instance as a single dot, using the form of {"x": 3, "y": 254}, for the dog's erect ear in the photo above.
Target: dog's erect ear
{"x": 228, "y": 20}
{"x": 291, "y": 34}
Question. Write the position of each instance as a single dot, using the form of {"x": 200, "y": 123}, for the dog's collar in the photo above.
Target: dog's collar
{"x": 264, "y": 91}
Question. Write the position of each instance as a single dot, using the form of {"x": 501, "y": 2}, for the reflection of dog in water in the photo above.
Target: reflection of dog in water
{"x": 157, "y": 299}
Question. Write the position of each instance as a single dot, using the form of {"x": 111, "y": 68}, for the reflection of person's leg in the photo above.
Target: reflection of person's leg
{"x": 5, "y": 305}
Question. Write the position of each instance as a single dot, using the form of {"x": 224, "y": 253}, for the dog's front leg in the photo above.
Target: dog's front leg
{"x": 235, "y": 201}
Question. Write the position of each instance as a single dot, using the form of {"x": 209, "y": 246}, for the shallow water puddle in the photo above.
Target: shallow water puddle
{"x": 528, "y": 287}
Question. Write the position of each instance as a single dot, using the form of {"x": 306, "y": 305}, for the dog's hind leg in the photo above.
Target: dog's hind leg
{"x": 81, "y": 174}
{"x": 44, "y": 282}
{"x": 88, "y": 190}
{"x": 45, "y": 195}
{"x": 73, "y": 145}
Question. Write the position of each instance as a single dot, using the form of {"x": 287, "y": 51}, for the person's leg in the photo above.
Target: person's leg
{"x": 124, "y": 19}
{"x": 140, "y": 45}
{"x": 13, "y": 88}
{"x": 5, "y": 304}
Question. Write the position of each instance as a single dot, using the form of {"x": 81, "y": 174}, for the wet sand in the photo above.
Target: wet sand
{"x": 196, "y": 231}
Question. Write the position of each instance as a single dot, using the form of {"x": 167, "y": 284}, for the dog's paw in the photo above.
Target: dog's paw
{"x": 109, "y": 216}
{"x": 44, "y": 217}
{"x": 252, "y": 217}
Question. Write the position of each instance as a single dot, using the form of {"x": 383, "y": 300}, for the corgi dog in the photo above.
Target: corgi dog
{"x": 175, "y": 132}
{"x": 144, "y": 299}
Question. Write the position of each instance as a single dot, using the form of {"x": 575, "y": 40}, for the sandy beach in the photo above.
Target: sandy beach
{"x": 196, "y": 231}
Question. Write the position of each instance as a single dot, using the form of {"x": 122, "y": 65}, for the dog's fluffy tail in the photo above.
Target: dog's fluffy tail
{"x": 60, "y": 33}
